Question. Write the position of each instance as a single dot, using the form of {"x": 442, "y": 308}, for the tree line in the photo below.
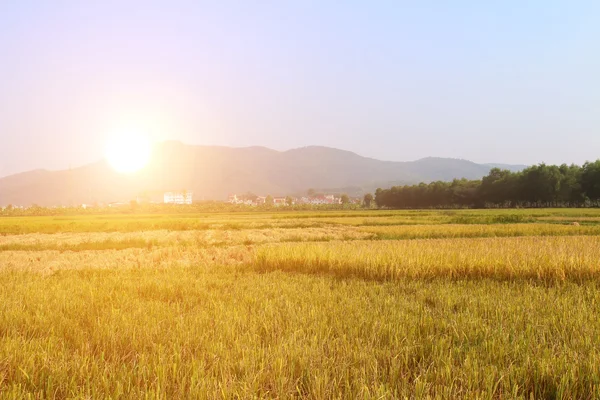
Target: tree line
{"x": 536, "y": 186}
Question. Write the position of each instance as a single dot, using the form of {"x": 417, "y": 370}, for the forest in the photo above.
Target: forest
{"x": 536, "y": 186}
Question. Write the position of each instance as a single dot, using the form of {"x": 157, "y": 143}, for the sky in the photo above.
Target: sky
{"x": 489, "y": 81}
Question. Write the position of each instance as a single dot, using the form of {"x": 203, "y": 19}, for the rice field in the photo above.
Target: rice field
{"x": 316, "y": 305}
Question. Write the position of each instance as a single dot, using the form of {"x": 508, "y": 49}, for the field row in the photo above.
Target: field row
{"x": 212, "y": 238}
{"x": 135, "y": 223}
{"x": 549, "y": 259}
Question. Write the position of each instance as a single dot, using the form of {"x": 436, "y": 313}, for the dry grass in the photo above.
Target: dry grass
{"x": 547, "y": 259}
{"x": 52, "y": 261}
{"x": 165, "y": 238}
{"x": 475, "y": 231}
{"x": 193, "y": 333}
{"x": 303, "y": 305}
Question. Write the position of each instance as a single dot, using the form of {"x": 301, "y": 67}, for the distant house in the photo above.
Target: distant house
{"x": 261, "y": 200}
{"x": 253, "y": 200}
{"x": 246, "y": 199}
{"x": 184, "y": 197}
{"x": 321, "y": 199}
{"x": 235, "y": 199}
{"x": 279, "y": 201}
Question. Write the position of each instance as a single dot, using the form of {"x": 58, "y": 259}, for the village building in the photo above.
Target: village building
{"x": 184, "y": 197}
{"x": 279, "y": 201}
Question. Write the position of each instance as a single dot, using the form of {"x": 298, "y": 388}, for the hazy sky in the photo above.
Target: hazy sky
{"x": 490, "y": 81}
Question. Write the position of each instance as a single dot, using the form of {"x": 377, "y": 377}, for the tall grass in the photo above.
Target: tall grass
{"x": 164, "y": 238}
{"x": 308, "y": 219}
{"x": 478, "y": 231}
{"x": 186, "y": 333}
{"x": 549, "y": 259}
{"x": 308, "y": 305}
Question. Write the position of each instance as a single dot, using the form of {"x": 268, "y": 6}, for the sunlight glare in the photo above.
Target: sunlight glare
{"x": 128, "y": 152}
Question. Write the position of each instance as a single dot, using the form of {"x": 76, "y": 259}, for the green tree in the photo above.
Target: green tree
{"x": 289, "y": 200}
{"x": 379, "y": 194}
{"x": 540, "y": 184}
{"x": 590, "y": 180}
{"x": 367, "y": 200}
{"x": 345, "y": 199}
{"x": 465, "y": 192}
{"x": 498, "y": 187}
{"x": 570, "y": 192}
{"x": 269, "y": 200}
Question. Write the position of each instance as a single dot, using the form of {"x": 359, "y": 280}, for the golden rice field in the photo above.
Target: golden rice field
{"x": 317, "y": 305}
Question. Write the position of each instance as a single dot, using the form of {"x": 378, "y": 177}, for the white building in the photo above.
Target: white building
{"x": 321, "y": 199}
{"x": 178, "y": 197}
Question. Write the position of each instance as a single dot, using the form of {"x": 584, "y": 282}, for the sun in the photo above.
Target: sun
{"x": 127, "y": 153}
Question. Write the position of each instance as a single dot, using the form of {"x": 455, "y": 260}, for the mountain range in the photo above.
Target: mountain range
{"x": 213, "y": 172}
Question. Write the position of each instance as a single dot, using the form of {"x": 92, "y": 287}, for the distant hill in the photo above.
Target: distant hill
{"x": 213, "y": 172}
